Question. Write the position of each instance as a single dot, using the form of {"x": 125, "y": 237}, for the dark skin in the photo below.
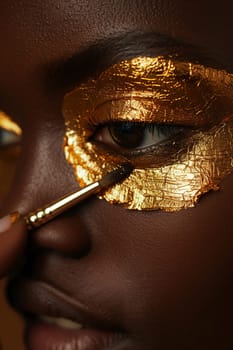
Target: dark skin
{"x": 166, "y": 278}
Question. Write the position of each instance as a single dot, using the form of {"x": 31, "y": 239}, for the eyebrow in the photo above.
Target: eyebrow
{"x": 104, "y": 53}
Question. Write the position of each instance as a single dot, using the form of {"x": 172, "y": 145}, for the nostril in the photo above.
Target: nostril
{"x": 65, "y": 235}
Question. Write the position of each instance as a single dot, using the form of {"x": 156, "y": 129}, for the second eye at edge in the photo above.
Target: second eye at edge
{"x": 8, "y": 138}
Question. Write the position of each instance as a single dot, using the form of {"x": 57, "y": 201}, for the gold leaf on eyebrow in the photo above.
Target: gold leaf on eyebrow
{"x": 8, "y": 124}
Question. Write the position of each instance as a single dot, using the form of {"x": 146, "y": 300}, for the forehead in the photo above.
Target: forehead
{"x": 39, "y": 31}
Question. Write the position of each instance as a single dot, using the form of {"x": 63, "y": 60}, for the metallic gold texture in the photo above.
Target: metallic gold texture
{"x": 8, "y": 124}
{"x": 14, "y": 217}
{"x": 170, "y": 175}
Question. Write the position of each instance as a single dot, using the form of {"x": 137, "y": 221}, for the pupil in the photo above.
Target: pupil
{"x": 127, "y": 134}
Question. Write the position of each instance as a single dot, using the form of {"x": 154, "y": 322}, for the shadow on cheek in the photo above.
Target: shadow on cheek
{"x": 8, "y": 160}
{"x": 9, "y": 321}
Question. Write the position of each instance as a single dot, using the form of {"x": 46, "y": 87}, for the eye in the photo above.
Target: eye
{"x": 134, "y": 135}
{"x": 8, "y": 138}
{"x": 10, "y": 132}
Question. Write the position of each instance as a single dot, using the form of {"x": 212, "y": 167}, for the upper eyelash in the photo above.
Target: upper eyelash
{"x": 161, "y": 127}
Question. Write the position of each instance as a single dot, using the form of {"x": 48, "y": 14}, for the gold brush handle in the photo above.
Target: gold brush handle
{"x": 53, "y": 209}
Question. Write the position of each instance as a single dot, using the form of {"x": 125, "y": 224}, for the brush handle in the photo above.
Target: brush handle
{"x": 53, "y": 209}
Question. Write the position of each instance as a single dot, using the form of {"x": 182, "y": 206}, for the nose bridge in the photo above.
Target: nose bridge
{"x": 43, "y": 175}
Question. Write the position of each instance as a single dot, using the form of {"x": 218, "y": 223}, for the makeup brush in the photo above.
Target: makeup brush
{"x": 53, "y": 209}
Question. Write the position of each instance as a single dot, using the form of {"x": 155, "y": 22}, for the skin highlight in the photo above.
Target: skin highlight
{"x": 164, "y": 278}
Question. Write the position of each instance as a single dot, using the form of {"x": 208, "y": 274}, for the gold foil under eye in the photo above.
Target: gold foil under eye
{"x": 142, "y": 90}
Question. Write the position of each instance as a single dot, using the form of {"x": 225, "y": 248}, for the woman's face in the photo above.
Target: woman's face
{"x": 162, "y": 279}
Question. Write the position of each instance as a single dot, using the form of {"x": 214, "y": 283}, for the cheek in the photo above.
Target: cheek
{"x": 8, "y": 159}
{"x": 176, "y": 269}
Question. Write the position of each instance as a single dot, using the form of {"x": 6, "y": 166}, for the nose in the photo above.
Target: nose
{"x": 66, "y": 234}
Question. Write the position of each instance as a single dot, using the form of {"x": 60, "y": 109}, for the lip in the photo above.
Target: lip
{"x": 36, "y": 298}
{"x": 40, "y": 335}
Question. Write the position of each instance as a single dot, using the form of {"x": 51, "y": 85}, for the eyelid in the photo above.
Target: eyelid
{"x": 192, "y": 95}
{"x": 145, "y": 111}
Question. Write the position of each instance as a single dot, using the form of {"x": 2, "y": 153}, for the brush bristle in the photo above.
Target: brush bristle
{"x": 116, "y": 175}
